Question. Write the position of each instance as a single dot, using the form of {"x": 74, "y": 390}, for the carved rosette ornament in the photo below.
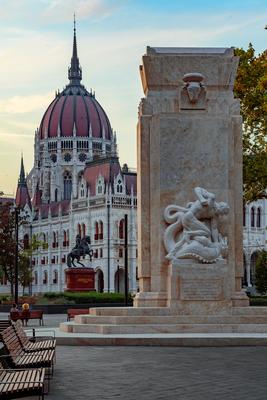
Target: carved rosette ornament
{"x": 193, "y": 231}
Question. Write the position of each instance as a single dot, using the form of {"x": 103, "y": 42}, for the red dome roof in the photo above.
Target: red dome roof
{"x": 75, "y": 109}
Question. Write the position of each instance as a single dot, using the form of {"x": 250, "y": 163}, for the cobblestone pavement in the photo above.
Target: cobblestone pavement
{"x": 157, "y": 373}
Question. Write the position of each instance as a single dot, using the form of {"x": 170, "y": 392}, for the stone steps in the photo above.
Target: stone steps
{"x": 161, "y": 320}
{"x": 174, "y": 319}
{"x": 163, "y": 328}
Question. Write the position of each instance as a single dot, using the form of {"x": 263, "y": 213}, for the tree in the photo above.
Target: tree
{"x": 251, "y": 88}
{"x": 7, "y": 250}
{"x": 8, "y": 244}
{"x": 261, "y": 273}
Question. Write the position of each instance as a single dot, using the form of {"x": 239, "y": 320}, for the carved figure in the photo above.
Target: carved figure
{"x": 193, "y": 232}
{"x": 82, "y": 248}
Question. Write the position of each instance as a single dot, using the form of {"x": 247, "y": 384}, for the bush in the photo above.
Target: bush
{"x": 82, "y": 298}
{"x": 261, "y": 273}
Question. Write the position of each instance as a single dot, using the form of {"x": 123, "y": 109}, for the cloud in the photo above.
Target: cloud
{"x": 63, "y": 10}
{"x": 25, "y": 104}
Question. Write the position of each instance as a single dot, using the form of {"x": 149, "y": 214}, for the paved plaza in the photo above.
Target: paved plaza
{"x": 157, "y": 373}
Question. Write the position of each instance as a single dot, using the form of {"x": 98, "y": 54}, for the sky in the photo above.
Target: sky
{"x": 36, "y": 45}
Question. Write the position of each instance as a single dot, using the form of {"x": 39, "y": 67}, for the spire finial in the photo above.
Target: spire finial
{"x": 75, "y": 71}
{"x": 22, "y": 180}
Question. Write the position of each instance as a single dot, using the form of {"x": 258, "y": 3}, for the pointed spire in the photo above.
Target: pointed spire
{"x": 22, "y": 180}
{"x": 75, "y": 71}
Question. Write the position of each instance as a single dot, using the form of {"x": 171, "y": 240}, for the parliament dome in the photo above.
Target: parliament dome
{"x": 75, "y": 111}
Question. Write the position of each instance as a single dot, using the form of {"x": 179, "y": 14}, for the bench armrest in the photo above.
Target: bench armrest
{"x": 35, "y": 332}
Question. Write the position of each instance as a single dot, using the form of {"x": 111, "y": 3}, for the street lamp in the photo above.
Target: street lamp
{"x": 16, "y": 269}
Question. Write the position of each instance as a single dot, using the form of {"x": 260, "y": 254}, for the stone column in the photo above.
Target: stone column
{"x": 189, "y": 135}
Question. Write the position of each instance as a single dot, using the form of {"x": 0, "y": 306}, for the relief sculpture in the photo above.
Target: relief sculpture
{"x": 193, "y": 232}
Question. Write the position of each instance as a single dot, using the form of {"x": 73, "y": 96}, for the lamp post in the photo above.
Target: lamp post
{"x": 16, "y": 269}
{"x": 126, "y": 259}
{"x": 118, "y": 275}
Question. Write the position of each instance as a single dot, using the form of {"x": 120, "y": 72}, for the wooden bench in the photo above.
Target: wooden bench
{"x": 76, "y": 311}
{"x": 47, "y": 343}
{"x": 21, "y": 382}
{"x": 4, "y": 323}
{"x": 18, "y": 358}
{"x": 24, "y": 316}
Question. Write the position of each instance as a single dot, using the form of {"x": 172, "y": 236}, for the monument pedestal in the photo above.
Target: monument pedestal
{"x": 80, "y": 279}
{"x": 199, "y": 289}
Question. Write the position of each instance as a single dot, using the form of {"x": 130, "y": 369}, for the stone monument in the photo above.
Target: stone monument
{"x": 190, "y": 182}
{"x": 189, "y": 147}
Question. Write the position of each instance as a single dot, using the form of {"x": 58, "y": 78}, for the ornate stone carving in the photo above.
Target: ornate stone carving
{"x": 193, "y": 94}
{"x": 193, "y": 232}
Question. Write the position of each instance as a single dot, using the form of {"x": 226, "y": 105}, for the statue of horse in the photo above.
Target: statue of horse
{"x": 82, "y": 248}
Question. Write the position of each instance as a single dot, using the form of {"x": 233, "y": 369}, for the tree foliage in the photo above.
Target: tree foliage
{"x": 251, "y": 88}
{"x": 261, "y": 273}
{"x": 7, "y": 250}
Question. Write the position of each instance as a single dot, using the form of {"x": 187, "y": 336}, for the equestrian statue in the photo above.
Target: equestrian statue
{"x": 81, "y": 249}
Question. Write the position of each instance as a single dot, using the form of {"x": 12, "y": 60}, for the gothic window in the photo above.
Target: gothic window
{"x": 83, "y": 230}
{"x": 101, "y": 253}
{"x": 119, "y": 186}
{"x": 26, "y": 241}
{"x": 79, "y": 230}
{"x": 120, "y": 253}
{"x": 121, "y": 229}
{"x": 244, "y": 215}
{"x": 101, "y": 233}
{"x": 35, "y": 278}
{"x": 67, "y": 185}
{"x": 99, "y": 187}
{"x": 252, "y": 217}
{"x": 96, "y": 231}
{"x": 82, "y": 190}
{"x": 45, "y": 278}
{"x": 56, "y": 191}
{"x": 258, "y": 217}
{"x": 55, "y": 277}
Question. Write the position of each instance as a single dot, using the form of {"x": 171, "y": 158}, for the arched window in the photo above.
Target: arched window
{"x": 96, "y": 231}
{"x": 101, "y": 233}
{"x": 83, "y": 230}
{"x": 35, "y": 278}
{"x": 67, "y": 185}
{"x": 54, "y": 240}
{"x": 244, "y": 215}
{"x": 121, "y": 229}
{"x": 79, "y": 230}
{"x": 26, "y": 243}
{"x": 64, "y": 238}
{"x": 45, "y": 279}
{"x": 258, "y": 217}
{"x": 55, "y": 277}
{"x": 252, "y": 217}
{"x": 119, "y": 186}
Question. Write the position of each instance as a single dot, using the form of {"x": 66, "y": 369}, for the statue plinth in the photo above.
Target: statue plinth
{"x": 80, "y": 279}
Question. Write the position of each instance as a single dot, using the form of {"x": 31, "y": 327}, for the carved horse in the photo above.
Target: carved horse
{"x": 82, "y": 248}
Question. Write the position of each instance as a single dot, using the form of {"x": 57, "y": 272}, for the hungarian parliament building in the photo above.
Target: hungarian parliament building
{"x": 78, "y": 187}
